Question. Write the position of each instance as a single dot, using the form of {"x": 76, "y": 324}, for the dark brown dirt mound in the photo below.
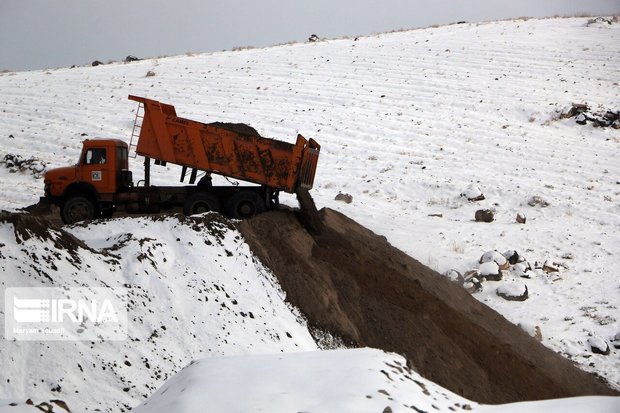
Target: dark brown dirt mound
{"x": 26, "y": 226}
{"x": 241, "y": 128}
{"x": 351, "y": 282}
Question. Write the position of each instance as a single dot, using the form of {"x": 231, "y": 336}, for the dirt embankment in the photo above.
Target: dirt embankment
{"x": 353, "y": 283}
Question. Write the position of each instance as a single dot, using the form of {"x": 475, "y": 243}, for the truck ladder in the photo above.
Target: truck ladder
{"x": 135, "y": 132}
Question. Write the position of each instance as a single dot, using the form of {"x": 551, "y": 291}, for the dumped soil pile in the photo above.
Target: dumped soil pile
{"x": 353, "y": 283}
{"x": 241, "y": 128}
{"x": 26, "y": 226}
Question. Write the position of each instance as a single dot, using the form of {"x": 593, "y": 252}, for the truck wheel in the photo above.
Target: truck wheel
{"x": 200, "y": 202}
{"x": 245, "y": 204}
{"x": 78, "y": 208}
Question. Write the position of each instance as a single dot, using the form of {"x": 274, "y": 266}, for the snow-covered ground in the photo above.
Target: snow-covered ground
{"x": 353, "y": 380}
{"x": 407, "y": 121}
{"x": 194, "y": 290}
{"x": 359, "y": 380}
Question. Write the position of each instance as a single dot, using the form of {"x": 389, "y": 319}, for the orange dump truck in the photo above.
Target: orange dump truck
{"x": 101, "y": 182}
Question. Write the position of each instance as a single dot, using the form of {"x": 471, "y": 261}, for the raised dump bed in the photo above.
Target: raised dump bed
{"x": 232, "y": 150}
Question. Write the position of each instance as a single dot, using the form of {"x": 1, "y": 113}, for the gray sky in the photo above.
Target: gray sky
{"x": 36, "y": 34}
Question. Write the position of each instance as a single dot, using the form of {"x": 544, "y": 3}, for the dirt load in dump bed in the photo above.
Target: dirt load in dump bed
{"x": 353, "y": 283}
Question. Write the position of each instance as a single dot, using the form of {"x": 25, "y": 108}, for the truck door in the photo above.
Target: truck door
{"x": 96, "y": 169}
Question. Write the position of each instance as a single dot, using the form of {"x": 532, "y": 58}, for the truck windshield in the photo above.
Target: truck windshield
{"x": 95, "y": 156}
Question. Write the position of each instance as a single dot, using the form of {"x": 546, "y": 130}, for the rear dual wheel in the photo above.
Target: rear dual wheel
{"x": 199, "y": 203}
{"x": 245, "y": 204}
{"x": 240, "y": 205}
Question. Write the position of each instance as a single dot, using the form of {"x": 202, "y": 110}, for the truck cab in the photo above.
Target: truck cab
{"x": 86, "y": 190}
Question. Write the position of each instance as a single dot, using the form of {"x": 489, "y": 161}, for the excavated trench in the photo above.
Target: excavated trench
{"x": 354, "y": 284}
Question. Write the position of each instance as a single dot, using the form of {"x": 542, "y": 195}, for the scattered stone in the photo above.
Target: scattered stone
{"x": 16, "y": 163}
{"x": 60, "y": 403}
{"x": 472, "y": 281}
{"x": 471, "y": 274}
{"x": 574, "y": 110}
{"x": 599, "y": 21}
{"x": 313, "y": 38}
{"x": 494, "y": 256}
{"x": 131, "y": 58}
{"x": 96, "y": 63}
{"x": 388, "y": 409}
{"x": 599, "y": 346}
{"x": 581, "y": 119}
{"x": 538, "y": 333}
{"x": 582, "y": 114}
{"x": 538, "y": 201}
{"x": 346, "y": 198}
{"x": 45, "y": 407}
{"x": 472, "y": 193}
{"x": 437, "y": 215}
{"x": 513, "y": 257}
{"x": 484, "y": 215}
{"x": 473, "y": 285}
{"x": 532, "y": 330}
{"x": 521, "y": 269}
{"x": 568, "y": 256}
{"x": 550, "y": 266}
{"x": 150, "y": 73}
{"x": 512, "y": 291}
{"x": 520, "y": 218}
{"x": 455, "y": 276}
{"x": 490, "y": 270}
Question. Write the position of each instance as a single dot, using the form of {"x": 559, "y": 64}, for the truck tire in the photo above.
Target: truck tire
{"x": 78, "y": 208}
{"x": 199, "y": 203}
{"x": 245, "y": 204}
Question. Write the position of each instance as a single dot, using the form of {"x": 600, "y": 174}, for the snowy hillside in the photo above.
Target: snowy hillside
{"x": 407, "y": 122}
{"x": 361, "y": 381}
{"x": 194, "y": 291}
